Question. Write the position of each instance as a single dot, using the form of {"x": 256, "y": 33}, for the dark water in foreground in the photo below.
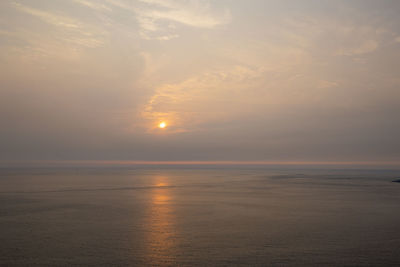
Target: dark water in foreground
{"x": 189, "y": 217}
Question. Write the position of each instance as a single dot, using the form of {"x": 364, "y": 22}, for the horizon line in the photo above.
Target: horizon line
{"x": 196, "y": 162}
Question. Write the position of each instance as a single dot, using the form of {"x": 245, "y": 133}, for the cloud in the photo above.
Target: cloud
{"x": 333, "y": 36}
{"x": 93, "y": 5}
{"x": 275, "y": 81}
{"x": 56, "y": 20}
{"x": 158, "y": 19}
{"x": 367, "y": 46}
{"x": 208, "y": 97}
{"x": 234, "y": 92}
{"x": 67, "y": 30}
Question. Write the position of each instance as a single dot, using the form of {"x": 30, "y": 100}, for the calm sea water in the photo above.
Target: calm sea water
{"x": 199, "y": 217}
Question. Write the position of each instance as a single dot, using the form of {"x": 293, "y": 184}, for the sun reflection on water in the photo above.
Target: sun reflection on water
{"x": 160, "y": 224}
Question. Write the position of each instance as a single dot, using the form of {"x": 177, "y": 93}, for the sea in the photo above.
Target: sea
{"x": 199, "y": 216}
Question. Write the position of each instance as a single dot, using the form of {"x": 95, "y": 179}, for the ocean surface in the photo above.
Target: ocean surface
{"x": 199, "y": 217}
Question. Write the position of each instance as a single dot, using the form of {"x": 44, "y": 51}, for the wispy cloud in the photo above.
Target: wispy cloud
{"x": 93, "y": 5}
{"x": 195, "y": 14}
{"x": 73, "y": 31}
{"x": 159, "y": 19}
{"x": 365, "y": 47}
{"x": 199, "y": 99}
{"x": 339, "y": 38}
{"x": 259, "y": 74}
{"x": 156, "y": 20}
{"x": 56, "y": 20}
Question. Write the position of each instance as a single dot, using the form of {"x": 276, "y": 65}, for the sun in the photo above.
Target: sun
{"x": 162, "y": 125}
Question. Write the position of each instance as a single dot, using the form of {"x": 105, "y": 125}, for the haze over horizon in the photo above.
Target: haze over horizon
{"x": 303, "y": 81}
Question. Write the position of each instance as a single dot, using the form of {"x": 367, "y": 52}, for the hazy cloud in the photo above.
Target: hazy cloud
{"x": 158, "y": 19}
{"x": 72, "y": 30}
{"x": 50, "y": 18}
{"x": 94, "y": 5}
{"x": 234, "y": 80}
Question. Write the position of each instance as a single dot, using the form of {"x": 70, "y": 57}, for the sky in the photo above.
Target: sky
{"x": 257, "y": 80}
